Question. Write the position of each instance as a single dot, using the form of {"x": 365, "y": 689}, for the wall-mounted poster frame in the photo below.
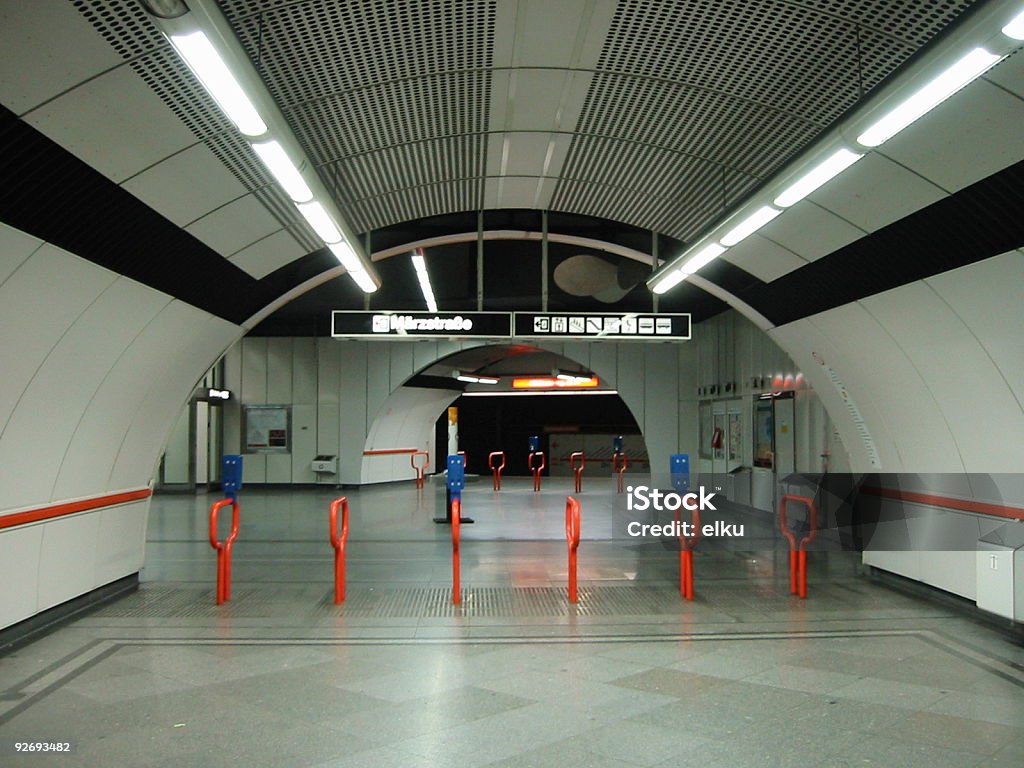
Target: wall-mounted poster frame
{"x": 266, "y": 428}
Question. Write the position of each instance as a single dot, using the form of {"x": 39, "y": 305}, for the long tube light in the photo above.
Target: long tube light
{"x": 420, "y": 264}
{"x": 283, "y": 169}
{"x": 321, "y": 221}
{"x": 749, "y": 225}
{"x": 1015, "y": 29}
{"x": 988, "y": 49}
{"x": 206, "y": 42}
{"x": 963, "y": 71}
{"x": 824, "y": 171}
{"x": 204, "y": 61}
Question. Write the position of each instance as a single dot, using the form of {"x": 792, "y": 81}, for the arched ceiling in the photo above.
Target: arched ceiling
{"x": 640, "y": 120}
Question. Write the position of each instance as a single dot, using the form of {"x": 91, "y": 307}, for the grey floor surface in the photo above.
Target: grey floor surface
{"x": 746, "y": 675}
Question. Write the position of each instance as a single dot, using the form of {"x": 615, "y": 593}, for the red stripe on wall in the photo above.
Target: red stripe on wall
{"x": 948, "y": 502}
{"x": 390, "y": 451}
{"x": 71, "y": 507}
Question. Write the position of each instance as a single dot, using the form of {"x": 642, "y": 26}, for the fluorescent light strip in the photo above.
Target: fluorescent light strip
{"x": 543, "y": 393}
{"x": 281, "y": 166}
{"x": 702, "y": 258}
{"x": 469, "y": 379}
{"x": 669, "y": 281}
{"x": 824, "y": 171}
{"x": 362, "y": 278}
{"x": 347, "y": 256}
{"x": 420, "y": 263}
{"x": 966, "y": 69}
{"x": 749, "y": 225}
{"x": 1015, "y": 28}
{"x": 320, "y": 221}
{"x": 200, "y": 55}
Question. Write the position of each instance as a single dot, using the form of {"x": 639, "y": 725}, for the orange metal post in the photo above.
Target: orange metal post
{"x": 456, "y": 582}
{"x": 537, "y": 470}
{"x": 419, "y": 467}
{"x": 798, "y": 550}
{"x": 686, "y": 545}
{"x": 577, "y": 467}
{"x": 572, "y": 536}
{"x": 224, "y": 547}
{"x": 496, "y": 470}
{"x": 620, "y": 462}
{"x": 338, "y": 542}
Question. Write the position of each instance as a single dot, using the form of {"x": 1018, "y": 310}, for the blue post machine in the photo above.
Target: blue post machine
{"x": 679, "y": 467}
{"x": 231, "y": 476}
{"x": 534, "y": 443}
{"x": 456, "y": 482}
{"x": 617, "y": 444}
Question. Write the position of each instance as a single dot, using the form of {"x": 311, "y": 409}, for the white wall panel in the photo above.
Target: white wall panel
{"x": 232, "y": 410}
{"x": 47, "y": 47}
{"x": 278, "y": 468}
{"x": 973, "y": 399}
{"x": 401, "y": 364}
{"x": 810, "y": 231}
{"x": 234, "y": 226}
{"x": 279, "y": 370}
{"x": 378, "y": 379}
{"x": 202, "y": 339}
{"x": 32, "y": 300}
{"x": 115, "y": 123}
{"x": 15, "y": 249}
{"x": 967, "y": 138}
{"x": 763, "y": 258}
{"x": 304, "y": 370}
{"x": 20, "y": 550}
{"x": 67, "y": 565}
{"x": 121, "y": 541}
{"x": 353, "y": 416}
{"x": 38, "y": 435}
{"x": 254, "y": 370}
{"x": 186, "y": 186}
{"x": 981, "y": 294}
{"x": 854, "y": 195}
{"x": 268, "y": 254}
{"x": 661, "y": 408}
{"x": 304, "y": 447}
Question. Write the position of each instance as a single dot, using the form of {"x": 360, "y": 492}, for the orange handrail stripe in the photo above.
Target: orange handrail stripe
{"x": 72, "y": 507}
{"x": 389, "y": 451}
{"x": 960, "y": 505}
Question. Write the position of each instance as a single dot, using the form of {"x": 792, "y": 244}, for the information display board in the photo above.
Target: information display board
{"x": 267, "y": 428}
{"x": 589, "y": 325}
{"x": 383, "y": 325}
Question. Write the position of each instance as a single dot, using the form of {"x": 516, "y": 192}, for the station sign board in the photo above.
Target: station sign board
{"x": 413, "y": 325}
{"x": 628, "y": 326}
{"x": 396, "y": 324}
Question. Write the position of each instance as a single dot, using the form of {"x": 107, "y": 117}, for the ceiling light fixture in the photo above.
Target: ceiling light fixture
{"x": 321, "y": 222}
{"x": 470, "y": 378}
{"x": 204, "y": 61}
{"x": 283, "y": 169}
{"x": 206, "y": 42}
{"x": 702, "y": 258}
{"x": 1015, "y": 28}
{"x": 824, "y": 171}
{"x": 668, "y": 281}
{"x": 420, "y": 264}
{"x": 951, "y": 80}
{"x": 749, "y": 225}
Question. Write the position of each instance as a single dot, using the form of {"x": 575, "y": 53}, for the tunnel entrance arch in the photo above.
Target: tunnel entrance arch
{"x": 407, "y": 418}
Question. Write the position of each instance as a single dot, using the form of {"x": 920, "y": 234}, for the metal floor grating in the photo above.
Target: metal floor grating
{"x": 415, "y": 602}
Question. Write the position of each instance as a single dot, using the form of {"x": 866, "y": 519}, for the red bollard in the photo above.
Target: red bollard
{"x": 578, "y": 468}
{"x": 224, "y": 547}
{"x": 686, "y": 545}
{"x": 456, "y": 582}
{"x": 798, "y": 552}
{"x": 496, "y": 470}
{"x": 572, "y": 536}
{"x": 338, "y": 542}
{"x": 537, "y": 470}
{"x": 419, "y": 467}
{"x": 620, "y": 462}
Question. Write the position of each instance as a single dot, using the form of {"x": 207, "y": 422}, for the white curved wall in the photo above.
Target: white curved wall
{"x": 96, "y": 368}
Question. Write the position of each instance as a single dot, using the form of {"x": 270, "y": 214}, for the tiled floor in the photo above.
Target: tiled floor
{"x": 746, "y": 675}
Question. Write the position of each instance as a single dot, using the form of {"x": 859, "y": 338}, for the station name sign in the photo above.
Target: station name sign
{"x": 504, "y": 325}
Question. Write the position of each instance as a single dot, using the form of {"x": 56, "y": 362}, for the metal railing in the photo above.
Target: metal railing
{"x": 338, "y": 542}
{"x": 224, "y": 547}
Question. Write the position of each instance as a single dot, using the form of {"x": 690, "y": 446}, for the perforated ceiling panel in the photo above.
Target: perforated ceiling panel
{"x": 389, "y": 98}
{"x": 696, "y": 101}
{"x": 126, "y": 26}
